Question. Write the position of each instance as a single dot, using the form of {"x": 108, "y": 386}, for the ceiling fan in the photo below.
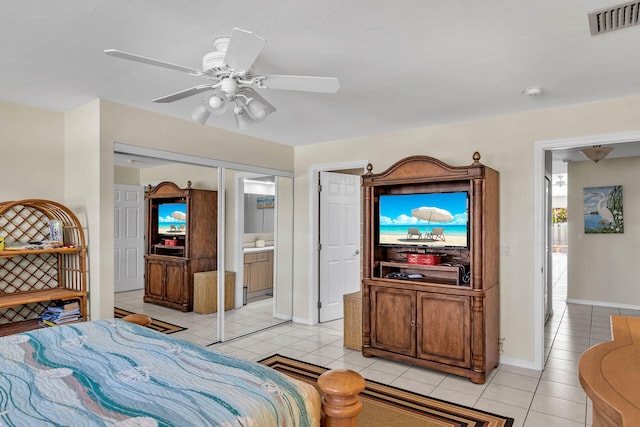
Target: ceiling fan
{"x": 233, "y": 81}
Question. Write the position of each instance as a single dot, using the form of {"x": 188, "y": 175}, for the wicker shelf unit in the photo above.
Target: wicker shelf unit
{"x": 31, "y": 278}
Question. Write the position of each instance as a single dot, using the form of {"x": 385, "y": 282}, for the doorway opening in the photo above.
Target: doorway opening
{"x": 545, "y": 176}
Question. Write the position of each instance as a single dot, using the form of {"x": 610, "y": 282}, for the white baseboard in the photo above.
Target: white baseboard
{"x": 518, "y": 362}
{"x": 303, "y": 321}
{"x": 602, "y": 304}
{"x": 282, "y": 316}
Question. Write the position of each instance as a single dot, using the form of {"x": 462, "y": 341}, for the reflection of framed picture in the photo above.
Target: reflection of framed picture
{"x": 266, "y": 202}
{"x": 603, "y": 210}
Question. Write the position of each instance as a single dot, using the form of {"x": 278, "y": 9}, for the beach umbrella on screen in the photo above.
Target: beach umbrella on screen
{"x": 180, "y": 216}
{"x": 431, "y": 214}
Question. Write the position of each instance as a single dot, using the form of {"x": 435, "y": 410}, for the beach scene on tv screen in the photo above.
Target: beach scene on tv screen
{"x": 434, "y": 219}
{"x": 172, "y": 218}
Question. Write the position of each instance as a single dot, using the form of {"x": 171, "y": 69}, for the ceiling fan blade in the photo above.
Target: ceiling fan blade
{"x": 303, "y": 83}
{"x": 150, "y": 61}
{"x": 244, "y": 47}
{"x": 184, "y": 93}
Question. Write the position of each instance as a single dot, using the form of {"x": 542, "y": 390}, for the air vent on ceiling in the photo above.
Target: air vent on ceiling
{"x": 614, "y": 18}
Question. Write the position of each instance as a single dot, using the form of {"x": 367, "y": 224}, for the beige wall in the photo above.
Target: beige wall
{"x": 83, "y": 177}
{"x": 602, "y": 266}
{"x": 126, "y": 176}
{"x": 201, "y": 177}
{"x": 32, "y": 157}
{"x": 128, "y": 125}
{"x": 506, "y": 143}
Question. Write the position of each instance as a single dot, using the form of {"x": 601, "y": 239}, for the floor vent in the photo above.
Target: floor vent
{"x": 614, "y": 18}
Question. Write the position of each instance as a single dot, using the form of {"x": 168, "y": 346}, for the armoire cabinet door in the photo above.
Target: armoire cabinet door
{"x": 166, "y": 280}
{"x": 444, "y": 328}
{"x": 154, "y": 278}
{"x": 176, "y": 282}
{"x": 393, "y": 320}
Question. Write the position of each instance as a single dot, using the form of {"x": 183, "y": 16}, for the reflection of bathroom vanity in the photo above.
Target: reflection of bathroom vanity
{"x": 258, "y": 270}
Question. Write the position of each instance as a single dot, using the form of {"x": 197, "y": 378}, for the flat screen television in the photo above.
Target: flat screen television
{"x": 424, "y": 219}
{"x": 172, "y": 219}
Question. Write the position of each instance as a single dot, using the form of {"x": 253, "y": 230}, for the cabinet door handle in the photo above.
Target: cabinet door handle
{"x": 413, "y": 323}
{"x": 418, "y": 325}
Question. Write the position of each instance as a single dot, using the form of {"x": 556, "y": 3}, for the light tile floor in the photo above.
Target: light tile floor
{"x": 202, "y": 328}
{"x": 549, "y": 398}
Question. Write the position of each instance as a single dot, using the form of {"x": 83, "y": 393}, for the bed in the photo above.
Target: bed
{"x": 113, "y": 372}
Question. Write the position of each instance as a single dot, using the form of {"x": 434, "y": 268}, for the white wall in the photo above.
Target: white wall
{"x": 602, "y": 267}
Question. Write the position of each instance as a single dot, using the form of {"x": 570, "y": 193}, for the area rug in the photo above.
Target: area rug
{"x": 157, "y": 325}
{"x": 390, "y": 406}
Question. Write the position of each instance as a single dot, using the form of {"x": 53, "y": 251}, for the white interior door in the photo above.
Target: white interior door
{"x": 129, "y": 237}
{"x": 339, "y": 241}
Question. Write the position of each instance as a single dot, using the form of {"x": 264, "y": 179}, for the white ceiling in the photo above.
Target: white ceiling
{"x": 401, "y": 63}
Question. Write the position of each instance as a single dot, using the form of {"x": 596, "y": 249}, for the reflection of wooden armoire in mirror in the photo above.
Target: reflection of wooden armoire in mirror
{"x": 181, "y": 227}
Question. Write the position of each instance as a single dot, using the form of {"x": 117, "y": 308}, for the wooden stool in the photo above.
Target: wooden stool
{"x": 138, "y": 319}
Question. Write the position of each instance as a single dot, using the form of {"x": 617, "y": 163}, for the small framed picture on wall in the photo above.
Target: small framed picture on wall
{"x": 266, "y": 202}
{"x": 603, "y": 210}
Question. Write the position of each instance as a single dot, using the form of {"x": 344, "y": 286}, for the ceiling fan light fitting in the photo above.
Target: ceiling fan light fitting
{"x": 243, "y": 121}
{"x": 216, "y": 102}
{"x": 596, "y": 153}
{"x": 200, "y": 114}
{"x": 256, "y": 109}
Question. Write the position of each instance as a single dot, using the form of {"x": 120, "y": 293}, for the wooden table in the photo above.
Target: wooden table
{"x": 610, "y": 375}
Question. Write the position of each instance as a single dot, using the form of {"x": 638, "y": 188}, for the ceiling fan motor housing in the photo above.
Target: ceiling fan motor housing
{"x": 213, "y": 61}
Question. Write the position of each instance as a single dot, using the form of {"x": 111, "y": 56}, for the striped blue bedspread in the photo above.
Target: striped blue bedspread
{"x": 114, "y": 373}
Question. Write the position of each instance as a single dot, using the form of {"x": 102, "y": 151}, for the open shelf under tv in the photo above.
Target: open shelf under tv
{"x": 443, "y": 274}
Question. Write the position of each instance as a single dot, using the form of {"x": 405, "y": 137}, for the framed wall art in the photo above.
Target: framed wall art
{"x": 266, "y": 202}
{"x": 603, "y": 210}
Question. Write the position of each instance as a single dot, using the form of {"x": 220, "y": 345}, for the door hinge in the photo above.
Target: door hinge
{"x": 319, "y": 188}
{"x": 319, "y": 304}
{"x": 319, "y": 246}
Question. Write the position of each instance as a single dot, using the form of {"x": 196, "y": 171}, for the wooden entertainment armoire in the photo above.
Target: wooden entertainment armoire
{"x": 169, "y": 268}
{"x": 443, "y": 316}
